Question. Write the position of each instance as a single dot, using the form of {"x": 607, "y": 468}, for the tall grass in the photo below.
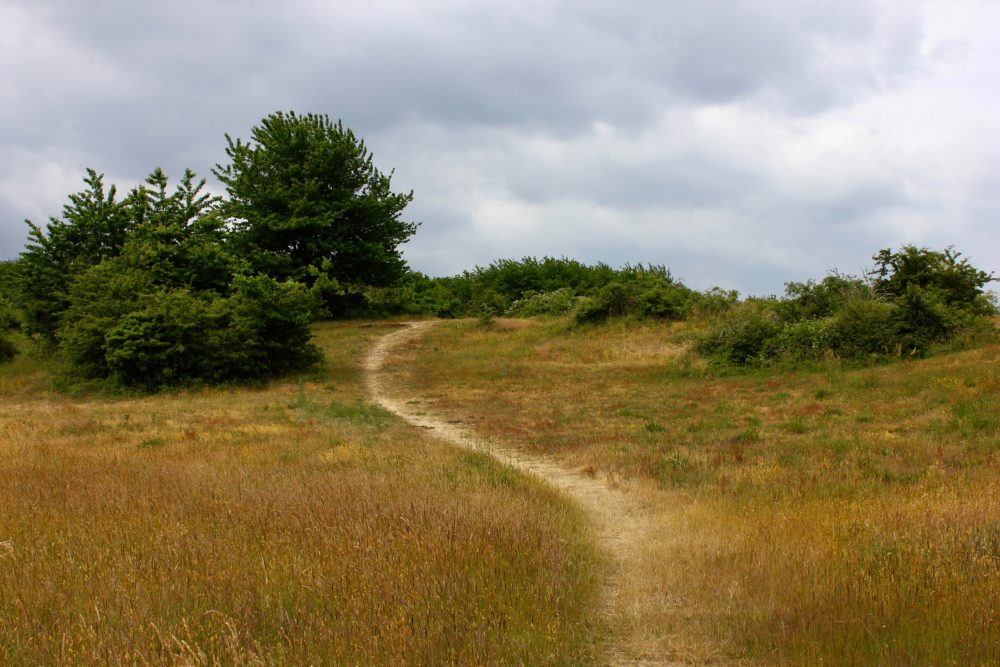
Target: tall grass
{"x": 844, "y": 517}
{"x": 293, "y": 524}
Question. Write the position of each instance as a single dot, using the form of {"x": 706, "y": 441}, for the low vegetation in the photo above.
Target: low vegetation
{"x": 288, "y": 524}
{"x": 914, "y": 302}
{"x": 830, "y": 515}
{"x": 547, "y": 287}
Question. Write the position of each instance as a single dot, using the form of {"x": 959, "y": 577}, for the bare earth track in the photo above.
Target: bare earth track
{"x": 617, "y": 519}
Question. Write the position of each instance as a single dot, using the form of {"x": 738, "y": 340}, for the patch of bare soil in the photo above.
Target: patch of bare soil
{"x": 621, "y": 525}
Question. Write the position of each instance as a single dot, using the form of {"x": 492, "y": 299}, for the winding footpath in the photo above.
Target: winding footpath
{"x": 617, "y": 520}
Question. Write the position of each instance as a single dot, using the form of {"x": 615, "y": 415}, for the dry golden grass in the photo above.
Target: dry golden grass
{"x": 292, "y": 524}
{"x": 847, "y": 517}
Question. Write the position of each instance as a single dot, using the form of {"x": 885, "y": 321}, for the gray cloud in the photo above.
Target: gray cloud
{"x": 743, "y": 143}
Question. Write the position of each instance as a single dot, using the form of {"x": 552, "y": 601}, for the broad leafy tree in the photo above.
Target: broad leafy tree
{"x": 944, "y": 276}
{"x": 307, "y": 203}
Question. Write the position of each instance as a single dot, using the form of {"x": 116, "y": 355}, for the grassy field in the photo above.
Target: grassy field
{"x": 842, "y": 517}
{"x": 291, "y": 524}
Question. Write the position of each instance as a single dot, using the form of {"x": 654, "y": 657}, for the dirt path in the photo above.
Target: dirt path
{"x": 617, "y": 519}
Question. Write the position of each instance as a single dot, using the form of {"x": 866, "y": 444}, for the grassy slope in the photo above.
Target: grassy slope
{"x": 292, "y": 524}
{"x": 837, "y": 516}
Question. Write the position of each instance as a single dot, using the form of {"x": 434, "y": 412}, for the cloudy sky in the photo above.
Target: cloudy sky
{"x": 743, "y": 143}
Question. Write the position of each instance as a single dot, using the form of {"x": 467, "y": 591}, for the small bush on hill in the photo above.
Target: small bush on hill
{"x": 532, "y": 304}
{"x": 913, "y": 301}
{"x": 746, "y": 337}
{"x": 547, "y": 286}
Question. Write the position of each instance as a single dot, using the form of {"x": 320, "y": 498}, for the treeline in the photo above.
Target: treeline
{"x": 549, "y": 286}
{"x": 913, "y": 302}
{"x": 171, "y": 285}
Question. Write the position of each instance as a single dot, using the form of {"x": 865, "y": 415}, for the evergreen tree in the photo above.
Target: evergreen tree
{"x": 93, "y": 227}
{"x": 307, "y": 203}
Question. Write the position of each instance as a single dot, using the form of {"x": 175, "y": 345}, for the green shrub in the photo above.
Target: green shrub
{"x": 556, "y": 302}
{"x": 916, "y": 301}
{"x": 273, "y": 319}
{"x": 810, "y": 300}
{"x": 613, "y": 300}
{"x": 921, "y": 319}
{"x": 180, "y": 337}
{"x": 747, "y": 337}
{"x": 7, "y": 349}
{"x": 98, "y": 298}
{"x": 945, "y": 274}
{"x": 802, "y": 341}
{"x": 665, "y": 301}
{"x": 713, "y": 302}
{"x": 863, "y": 328}
{"x": 173, "y": 339}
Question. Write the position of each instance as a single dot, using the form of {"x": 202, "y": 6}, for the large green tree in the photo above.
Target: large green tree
{"x": 307, "y": 203}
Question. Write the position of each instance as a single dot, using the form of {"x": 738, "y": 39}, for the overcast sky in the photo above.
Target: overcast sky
{"x": 743, "y": 143}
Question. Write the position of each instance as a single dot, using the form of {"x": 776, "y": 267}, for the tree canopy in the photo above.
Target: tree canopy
{"x": 307, "y": 203}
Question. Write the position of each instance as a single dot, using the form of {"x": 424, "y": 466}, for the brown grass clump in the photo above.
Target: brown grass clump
{"x": 294, "y": 524}
{"x": 836, "y": 516}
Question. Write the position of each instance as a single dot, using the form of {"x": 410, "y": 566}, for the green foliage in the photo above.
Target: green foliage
{"x": 174, "y": 285}
{"x": 178, "y": 238}
{"x": 7, "y": 349}
{"x": 811, "y": 300}
{"x": 664, "y": 301}
{"x": 10, "y": 317}
{"x": 613, "y": 300}
{"x": 487, "y": 317}
{"x": 175, "y": 306}
{"x": 180, "y": 336}
{"x": 747, "y": 336}
{"x": 862, "y": 327}
{"x": 546, "y": 286}
{"x": 305, "y": 199}
{"x": 98, "y": 299}
{"x": 10, "y": 312}
{"x": 945, "y": 277}
{"x": 915, "y": 301}
{"x": 532, "y": 304}
{"x": 93, "y": 227}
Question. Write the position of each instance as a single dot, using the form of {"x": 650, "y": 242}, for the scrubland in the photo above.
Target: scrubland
{"x": 292, "y": 523}
{"x": 827, "y": 516}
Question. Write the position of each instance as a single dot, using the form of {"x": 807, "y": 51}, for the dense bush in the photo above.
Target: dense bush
{"x": 547, "y": 286}
{"x": 178, "y": 337}
{"x": 533, "y": 304}
{"x": 10, "y": 316}
{"x": 914, "y": 301}
{"x": 174, "y": 304}
{"x": 862, "y": 327}
{"x": 7, "y": 349}
{"x": 746, "y": 336}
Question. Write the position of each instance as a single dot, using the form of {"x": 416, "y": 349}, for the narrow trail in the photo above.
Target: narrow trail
{"x": 618, "y": 521}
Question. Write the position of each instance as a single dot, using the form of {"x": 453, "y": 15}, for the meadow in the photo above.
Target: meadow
{"x": 834, "y": 515}
{"x": 290, "y": 523}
